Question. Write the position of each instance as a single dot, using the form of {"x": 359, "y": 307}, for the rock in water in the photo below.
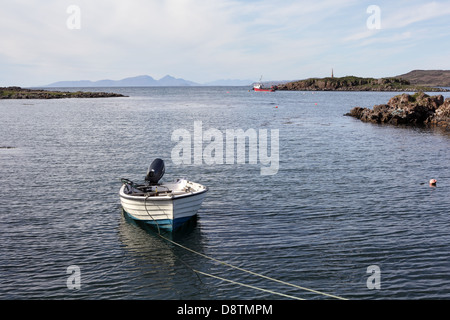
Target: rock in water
{"x": 419, "y": 110}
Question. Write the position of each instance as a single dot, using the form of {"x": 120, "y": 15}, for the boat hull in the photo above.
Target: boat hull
{"x": 163, "y": 212}
{"x": 259, "y": 89}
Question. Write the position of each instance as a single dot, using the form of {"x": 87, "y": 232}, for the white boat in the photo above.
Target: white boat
{"x": 164, "y": 205}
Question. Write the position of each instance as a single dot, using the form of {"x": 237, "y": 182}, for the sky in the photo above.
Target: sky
{"x": 45, "y": 41}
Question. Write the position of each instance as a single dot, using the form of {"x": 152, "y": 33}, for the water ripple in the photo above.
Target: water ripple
{"x": 347, "y": 195}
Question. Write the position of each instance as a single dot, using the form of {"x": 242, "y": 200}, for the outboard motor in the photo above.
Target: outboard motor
{"x": 155, "y": 171}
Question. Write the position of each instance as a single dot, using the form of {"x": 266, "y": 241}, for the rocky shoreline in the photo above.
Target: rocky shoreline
{"x": 419, "y": 109}
{"x": 352, "y": 83}
{"x": 20, "y": 93}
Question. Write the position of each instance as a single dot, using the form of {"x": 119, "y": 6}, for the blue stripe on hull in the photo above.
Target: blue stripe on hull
{"x": 165, "y": 224}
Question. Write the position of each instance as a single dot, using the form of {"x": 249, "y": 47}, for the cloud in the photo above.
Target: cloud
{"x": 196, "y": 39}
{"x": 395, "y": 18}
{"x": 407, "y": 15}
{"x": 159, "y": 37}
{"x": 376, "y": 37}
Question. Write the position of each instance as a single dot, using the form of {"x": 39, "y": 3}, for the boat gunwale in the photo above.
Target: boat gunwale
{"x": 144, "y": 197}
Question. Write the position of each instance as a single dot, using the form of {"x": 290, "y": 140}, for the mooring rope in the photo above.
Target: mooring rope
{"x": 145, "y": 205}
{"x": 250, "y": 272}
{"x": 247, "y": 285}
{"x": 241, "y": 269}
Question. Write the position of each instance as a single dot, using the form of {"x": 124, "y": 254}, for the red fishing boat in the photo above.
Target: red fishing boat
{"x": 260, "y": 87}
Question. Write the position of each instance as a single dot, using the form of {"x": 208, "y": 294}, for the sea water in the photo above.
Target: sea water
{"x": 348, "y": 212}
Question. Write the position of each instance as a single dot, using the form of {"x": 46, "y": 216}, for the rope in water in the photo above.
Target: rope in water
{"x": 248, "y": 271}
{"x": 247, "y": 285}
{"x": 241, "y": 269}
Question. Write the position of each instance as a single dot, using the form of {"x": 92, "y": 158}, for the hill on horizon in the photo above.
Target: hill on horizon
{"x": 146, "y": 81}
{"x": 138, "y": 81}
{"x": 432, "y": 78}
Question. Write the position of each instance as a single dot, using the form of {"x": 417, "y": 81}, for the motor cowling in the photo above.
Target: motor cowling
{"x": 155, "y": 171}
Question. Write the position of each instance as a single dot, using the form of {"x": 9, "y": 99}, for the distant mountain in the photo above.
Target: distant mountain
{"x": 433, "y": 78}
{"x": 169, "y": 81}
{"x": 139, "y": 81}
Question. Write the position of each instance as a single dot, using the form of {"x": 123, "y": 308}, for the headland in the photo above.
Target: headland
{"x": 352, "y": 83}
{"x": 21, "y": 93}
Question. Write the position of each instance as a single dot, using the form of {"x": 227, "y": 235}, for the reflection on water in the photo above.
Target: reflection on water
{"x": 161, "y": 263}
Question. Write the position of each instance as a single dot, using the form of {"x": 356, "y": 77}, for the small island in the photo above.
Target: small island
{"x": 418, "y": 109}
{"x": 21, "y": 93}
{"x": 351, "y": 83}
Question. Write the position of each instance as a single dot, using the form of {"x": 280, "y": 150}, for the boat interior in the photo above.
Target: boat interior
{"x": 179, "y": 187}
